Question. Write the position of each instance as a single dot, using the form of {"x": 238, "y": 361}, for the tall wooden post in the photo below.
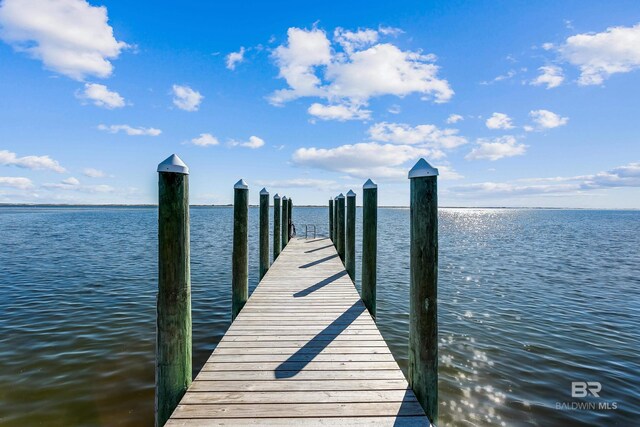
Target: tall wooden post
{"x": 285, "y": 221}
{"x": 264, "y": 232}
{"x": 290, "y": 218}
{"x": 173, "y": 315}
{"x": 341, "y": 212}
{"x": 277, "y": 240}
{"x": 335, "y": 222}
{"x": 239, "y": 257}
{"x": 423, "y": 306}
{"x": 331, "y": 219}
{"x": 350, "y": 238}
{"x": 369, "y": 244}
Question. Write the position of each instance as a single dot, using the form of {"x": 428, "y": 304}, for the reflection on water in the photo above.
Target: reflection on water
{"x": 530, "y": 300}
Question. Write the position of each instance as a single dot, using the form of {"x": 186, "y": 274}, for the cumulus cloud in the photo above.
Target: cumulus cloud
{"x": 186, "y": 98}
{"x": 454, "y": 118}
{"x": 129, "y": 130}
{"x": 340, "y": 112}
{"x": 20, "y": 183}
{"x": 600, "y": 55}
{"x": 70, "y": 37}
{"x": 363, "y": 160}
{"x": 8, "y": 158}
{"x": 301, "y": 183}
{"x": 545, "y": 119}
{"x": 235, "y": 58}
{"x": 550, "y": 75}
{"x": 429, "y": 136}
{"x": 622, "y": 176}
{"x": 499, "y": 121}
{"x": 73, "y": 184}
{"x": 205, "y": 140}
{"x": 101, "y": 96}
{"x": 356, "y": 69}
{"x": 253, "y": 142}
{"x": 93, "y": 173}
{"x": 496, "y": 148}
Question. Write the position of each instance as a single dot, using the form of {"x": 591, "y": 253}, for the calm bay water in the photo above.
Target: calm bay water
{"x": 529, "y": 301}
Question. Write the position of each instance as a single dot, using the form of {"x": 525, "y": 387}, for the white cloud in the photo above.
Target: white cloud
{"x": 499, "y": 121}
{"x": 301, "y": 183}
{"x": 253, "y": 142}
{"x": 235, "y": 58}
{"x": 71, "y": 181}
{"x": 599, "y": 55}
{"x": 129, "y": 130}
{"x": 30, "y": 162}
{"x": 394, "y": 109}
{"x": 622, "y": 176}
{"x": 205, "y": 140}
{"x": 362, "y": 70}
{"x": 340, "y": 112}
{"x": 429, "y": 136}
{"x": 507, "y": 76}
{"x": 363, "y": 160}
{"x": 454, "y": 118}
{"x": 545, "y": 119}
{"x": 550, "y": 75}
{"x": 70, "y": 37}
{"x": 355, "y": 40}
{"x": 186, "y": 98}
{"x": 94, "y": 173}
{"x": 16, "y": 182}
{"x": 72, "y": 184}
{"x": 496, "y": 148}
{"x": 101, "y": 96}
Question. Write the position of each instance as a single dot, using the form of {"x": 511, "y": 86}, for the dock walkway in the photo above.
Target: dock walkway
{"x": 303, "y": 351}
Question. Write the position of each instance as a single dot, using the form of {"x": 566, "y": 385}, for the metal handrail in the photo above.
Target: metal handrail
{"x": 306, "y": 230}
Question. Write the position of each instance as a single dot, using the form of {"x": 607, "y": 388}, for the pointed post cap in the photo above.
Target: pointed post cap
{"x": 369, "y": 185}
{"x": 422, "y": 169}
{"x": 264, "y": 192}
{"x": 173, "y": 164}
{"x": 277, "y": 196}
{"x": 351, "y": 194}
{"x": 340, "y": 196}
{"x": 241, "y": 185}
{"x": 284, "y": 198}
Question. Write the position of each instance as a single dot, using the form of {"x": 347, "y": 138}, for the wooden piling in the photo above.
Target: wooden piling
{"x": 239, "y": 257}
{"x": 277, "y": 241}
{"x": 350, "y": 236}
{"x": 331, "y": 219}
{"x": 264, "y": 232}
{"x": 341, "y": 215}
{"x": 335, "y": 222}
{"x": 285, "y": 221}
{"x": 173, "y": 315}
{"x": 290, "y": 218}
{"x": 369, "y": 245}
{"x": 423, "y": 312}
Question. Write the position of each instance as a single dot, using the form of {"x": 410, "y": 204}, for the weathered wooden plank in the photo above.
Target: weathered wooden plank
{"x": 382, "y": 374}
{"x": 308, "y": 385}
{"x": 299, "y": 366}
{"x": 311, "y": 396}
{"x": 390, "y": 421}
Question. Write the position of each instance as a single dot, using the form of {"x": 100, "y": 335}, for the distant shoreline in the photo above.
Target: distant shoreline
{"x": 51, "y": 205}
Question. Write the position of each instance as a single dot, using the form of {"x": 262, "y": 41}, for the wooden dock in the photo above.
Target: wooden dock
{"x": 304, "y": 351}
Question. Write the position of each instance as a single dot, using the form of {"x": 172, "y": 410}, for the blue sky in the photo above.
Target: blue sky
{"x": 518, "y": 103}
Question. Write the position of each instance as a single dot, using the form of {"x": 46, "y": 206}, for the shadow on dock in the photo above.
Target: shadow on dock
{"x": 299, "y": 360}
{"x": 319, "y": 261}
{"x": 319, "y": 285}
{"x": 317, "y": 249}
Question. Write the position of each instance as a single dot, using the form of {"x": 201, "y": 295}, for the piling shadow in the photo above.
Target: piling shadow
{"x": 317, "y": 240}
{"x": 317, "y": 249}
{"x": 402, "y": 418}
{"x": 301, "y": 358}
{"x": 319, "y": 285}
{"x": 319, "y": 261}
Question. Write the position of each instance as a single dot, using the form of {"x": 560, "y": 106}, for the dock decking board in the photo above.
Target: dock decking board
{"x": 303, "y": 351}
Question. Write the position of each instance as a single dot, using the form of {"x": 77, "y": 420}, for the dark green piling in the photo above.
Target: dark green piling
{"x": 277, "y": 240}
{"x": 285, "y": 221}
{"x": 264, "y": 232}
{"x": 423, "y": 311}
{"x": 173, "y": 315}
{"x": 290, "y": 218}
{"x": 331, "y": 219}
{"x": 341, "y": 215}
{"x": 239, "y": 257}
{"x": 350, "y": 236}
{"x": 369, "y": 244}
